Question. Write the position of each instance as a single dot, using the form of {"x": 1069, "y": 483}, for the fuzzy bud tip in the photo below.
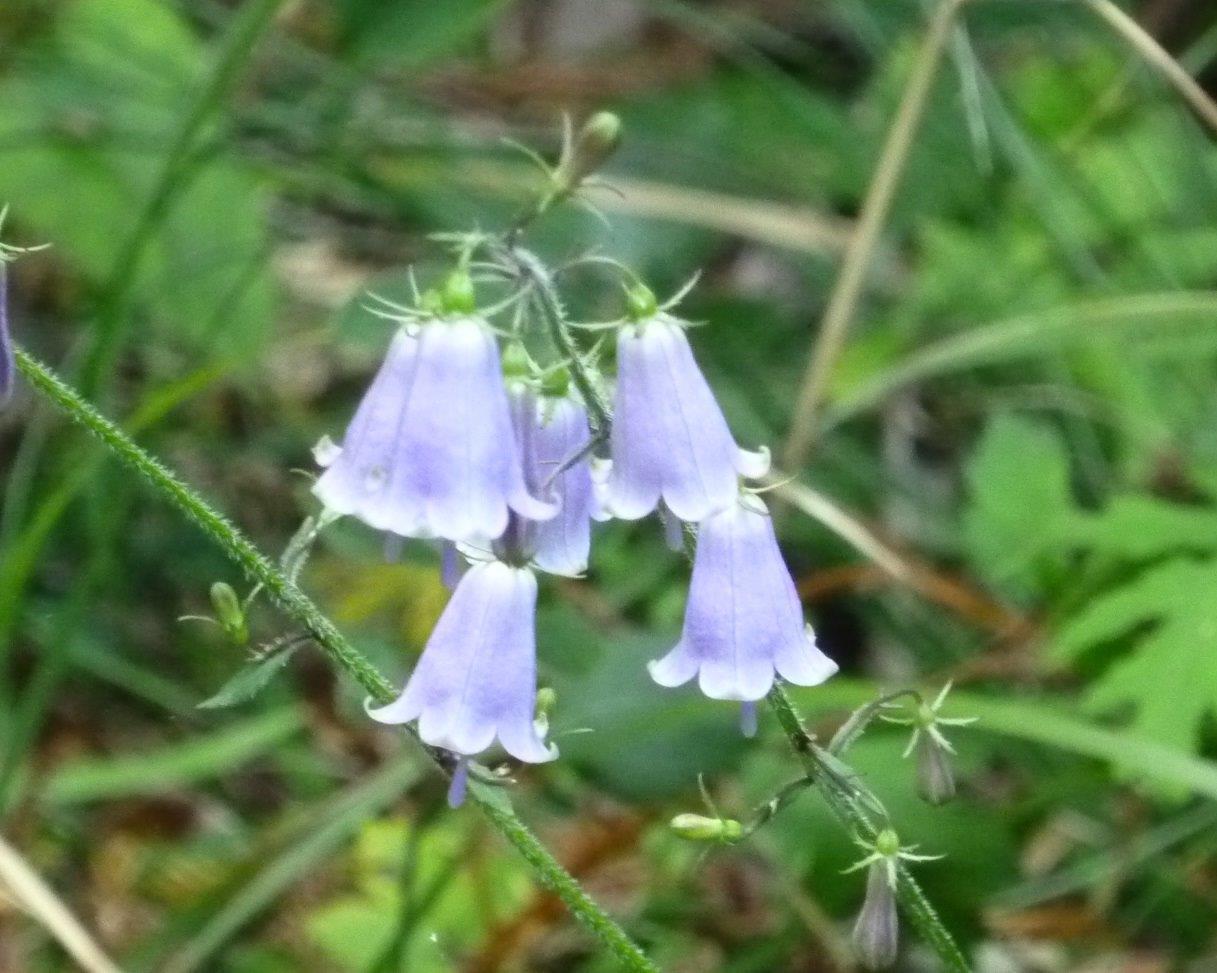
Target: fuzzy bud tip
{"x": 640, "y": 302}
{"x": 456, "y": 297}
{"x": 229, "y": 612}
{"x": 698, "y": 827}
{"x": 597, "y": 140}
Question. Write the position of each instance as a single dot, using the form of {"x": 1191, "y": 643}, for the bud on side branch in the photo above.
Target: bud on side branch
{"x": 597, "y": 140}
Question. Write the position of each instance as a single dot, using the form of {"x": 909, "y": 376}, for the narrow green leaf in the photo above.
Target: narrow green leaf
{"x": 177, "y": 765}
{"x": 250, "y": 680}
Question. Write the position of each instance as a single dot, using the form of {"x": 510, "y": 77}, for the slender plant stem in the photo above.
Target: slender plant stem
{"x": 843, "y": 302}
{"x": 1158, "y": 58}
{"x": 550, "y": 305}
{"x": 297, "y": 605}
{"x": 845, "y": 807}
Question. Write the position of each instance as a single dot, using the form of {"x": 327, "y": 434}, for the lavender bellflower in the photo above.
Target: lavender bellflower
{"x": 430, "y": 451}
{"x": 743, "y": 621}
{"x": 559, "y": 430}
{"x": 669, "y": 437}
{"x": 476, "y": 679}
{"x": 7, "y": 367}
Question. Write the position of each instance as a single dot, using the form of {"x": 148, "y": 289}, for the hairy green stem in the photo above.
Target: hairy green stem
{"x": 843, "y": 804}
{"x": 296, "y": 604}
{"x": 550, "y": 305}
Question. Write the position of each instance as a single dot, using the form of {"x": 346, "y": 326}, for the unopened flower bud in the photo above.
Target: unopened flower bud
{"x": 640, "y": 302}
{"x": 597, "y": 140}
{"x": 515, "y": 361}
{"x": 229, "y": 612}
{"x": 877, "y": 932}
{"x": 457, "y": 295}
{"x": 935, "y": 779}
{"x": 698, "y": 827}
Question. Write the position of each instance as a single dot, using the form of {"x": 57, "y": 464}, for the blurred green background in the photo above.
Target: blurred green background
{"x": 1025, "y": 414}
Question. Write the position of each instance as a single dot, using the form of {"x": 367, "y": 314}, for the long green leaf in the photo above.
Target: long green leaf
{"x": 1033, "y": 336}
{"x": 197, "y": 759}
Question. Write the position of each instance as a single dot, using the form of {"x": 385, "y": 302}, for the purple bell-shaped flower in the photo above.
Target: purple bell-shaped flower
{"x": 7, "y": 367}
{"x": 477, "y": 677}
{"x": 552, "y": 430}
{"x": 669, "y": 439}
{"x": 430, "y": 452}
{"x": 743, "y": 622}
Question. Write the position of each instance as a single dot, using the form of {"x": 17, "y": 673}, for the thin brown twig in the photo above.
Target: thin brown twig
{"x": 48, "y": 909}
{"x": 834, "y": 326}
{"x": 1157, "y": 57}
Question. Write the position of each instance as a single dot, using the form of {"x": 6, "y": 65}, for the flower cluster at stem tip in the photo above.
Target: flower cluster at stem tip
{"x": 467, "y": 440}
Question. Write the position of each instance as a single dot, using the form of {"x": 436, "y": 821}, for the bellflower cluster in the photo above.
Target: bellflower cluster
{"x": 493, "y": 455}
{"x": 432, "y": 452}
{"x": 670, "y": 445}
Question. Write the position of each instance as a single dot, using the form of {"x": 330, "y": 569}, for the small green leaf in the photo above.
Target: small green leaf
{"x": 1169, "y": 676}
{"x": 250, "y": 680}
{"x": 1021, "y": 500}
{"x": 1138, "y": 527}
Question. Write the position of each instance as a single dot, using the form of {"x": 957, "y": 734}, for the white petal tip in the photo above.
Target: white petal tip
{"x": 325, "y": 451}
{"x": 753, "y": 465}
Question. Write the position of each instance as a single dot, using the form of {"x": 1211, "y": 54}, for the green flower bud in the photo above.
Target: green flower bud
{"x": 457, "y": 295}
{"x": 698, "y": 827}
{"x": 229, "y": 613}
{"x": 887, "y": 843}
{"x": 640, "y": 302}
{"x": 597, "y": 140}
{"x": 516, "y": 363}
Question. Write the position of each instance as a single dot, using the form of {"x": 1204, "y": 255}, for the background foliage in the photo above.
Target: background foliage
{"x": 1025, "y": 414}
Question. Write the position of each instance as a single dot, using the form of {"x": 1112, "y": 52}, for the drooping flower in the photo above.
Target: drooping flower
{"x": 743, "y": 622}
{"x": 551, "y": 429}
{"x": 7, "y": 367}
{"x": 430, "y": 451}
{"x": 876, "y": 934}
{"x": 669, "y": 437}
{"x": 559, "y": 431}
{"x": 476, "y": 679}
{"x": 935, "y": 778}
